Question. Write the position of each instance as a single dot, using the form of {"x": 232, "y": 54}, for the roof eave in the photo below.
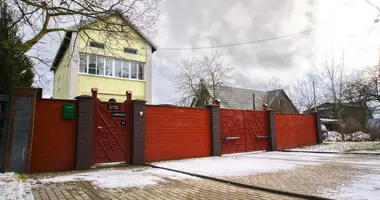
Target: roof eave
{"x": 61, "y": 51}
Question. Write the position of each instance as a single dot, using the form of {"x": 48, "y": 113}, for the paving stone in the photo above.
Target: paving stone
{"x": 171, "y": 189}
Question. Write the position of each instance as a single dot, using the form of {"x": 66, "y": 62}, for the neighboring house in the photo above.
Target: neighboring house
{"x": 353, "y": 118}
{"x": 108, "y": 61}
{"x": 239, "y": 98}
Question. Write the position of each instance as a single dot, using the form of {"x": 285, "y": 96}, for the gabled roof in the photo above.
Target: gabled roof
{"x": 240, "y": 98}
{"x": 66, "y": 40}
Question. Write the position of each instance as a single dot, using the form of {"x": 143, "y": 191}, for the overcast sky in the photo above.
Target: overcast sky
{"x": 338, "y": 25}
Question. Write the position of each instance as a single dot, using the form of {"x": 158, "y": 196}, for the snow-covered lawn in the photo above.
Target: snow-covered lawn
{"x": 237, "y": 165}
{"x": 12, "y": 188}
{"x": 112, "y": 178}
{"x": 355, "y": 147}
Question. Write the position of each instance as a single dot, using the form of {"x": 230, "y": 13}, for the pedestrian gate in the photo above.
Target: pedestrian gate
{"x": 111, "y": 138}
{"x": 243, "y": 130}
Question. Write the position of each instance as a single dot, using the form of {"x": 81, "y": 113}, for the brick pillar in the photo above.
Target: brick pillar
{"x": 216, "y": 145}
{"x": 318, "y": 127}
{"x": 5, "y": 100}
{"x": 138, "y": 131}
{"x": 39, "y": 93}
{"x": 272, "y": 130}
{"x": 85, "y": 110}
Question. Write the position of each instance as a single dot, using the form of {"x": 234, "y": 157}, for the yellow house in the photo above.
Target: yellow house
{"x": 113, "y": 62}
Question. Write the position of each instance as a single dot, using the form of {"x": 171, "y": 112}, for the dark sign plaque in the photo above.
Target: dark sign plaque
{"x": 123, "y": 122}
{"x": 113, "y": 107}
{"x": 119, "y": 114}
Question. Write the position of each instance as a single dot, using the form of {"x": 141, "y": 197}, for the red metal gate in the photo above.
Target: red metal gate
{"x": 111, "y": 142}
{"x": 243, "y": 130}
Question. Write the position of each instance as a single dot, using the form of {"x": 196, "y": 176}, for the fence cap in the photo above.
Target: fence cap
{"x": 217, "y": 102}
{"x": 83, "y": 97}
{"x": 212, "y": 105}
{"x": 138, "y": 100}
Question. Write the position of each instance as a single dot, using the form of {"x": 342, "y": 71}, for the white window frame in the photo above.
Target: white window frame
{"x": 122, "y": 61}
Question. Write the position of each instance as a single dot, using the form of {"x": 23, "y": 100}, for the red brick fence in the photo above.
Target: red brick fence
{"x": 60, "y": 135}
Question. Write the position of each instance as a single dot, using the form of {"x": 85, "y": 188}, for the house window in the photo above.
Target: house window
{"x": 133, "y": 70}
{"x": 111, "y": 67}
{"x": 97, "y": 45}
{"x": 118, "y": 68}
{"x": 83, "y": 64}
{"x": 125, "y": 70}
{"x": 282, "y": 102}
{"x": 132, "y": 51}
{"x": 141, "y": 71}
{"x": 100, "y": 65}
{"x": 92, "y": 64}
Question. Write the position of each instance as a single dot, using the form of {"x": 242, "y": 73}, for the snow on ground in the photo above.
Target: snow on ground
{"x": 358, "y": 136}
{"x": 121, "y": 178}
{"x": 230, "y": 165}
{"x": 366, "y": 187}
{"x": 342, "y": 147}
{"x": 323, "y": 128}
{"x": 332, "y": 136}
{"x": 300, "y": 157}
{"x": 11, "y": 188}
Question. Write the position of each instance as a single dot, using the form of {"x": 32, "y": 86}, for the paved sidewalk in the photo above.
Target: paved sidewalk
{"x": 335, "y": 176}
{"x": 173, "y": 189}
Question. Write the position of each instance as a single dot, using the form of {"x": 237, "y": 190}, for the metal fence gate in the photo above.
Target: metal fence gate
{"x": 243, "y": 130}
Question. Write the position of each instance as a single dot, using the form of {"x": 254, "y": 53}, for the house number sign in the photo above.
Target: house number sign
{"x": 123, "y": 122}
{"x": 119, "y": 114}
{"x": 113, "y": 107}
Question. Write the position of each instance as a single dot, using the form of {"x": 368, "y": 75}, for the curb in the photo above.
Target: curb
{"x": 330, "y": 152}
{"x": 280, "y": 192}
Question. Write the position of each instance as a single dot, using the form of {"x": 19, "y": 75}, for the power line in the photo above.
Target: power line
{"x": 235, "y": 44}
{"x": 373, "y": 5}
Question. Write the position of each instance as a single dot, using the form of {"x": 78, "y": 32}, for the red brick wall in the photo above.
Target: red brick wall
{"x": 295, "y": 130}
{"x": 176, "y": 133}
{"x": 54, "y": 139}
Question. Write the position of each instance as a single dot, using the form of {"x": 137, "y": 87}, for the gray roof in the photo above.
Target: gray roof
{"x": 240, "y": 98}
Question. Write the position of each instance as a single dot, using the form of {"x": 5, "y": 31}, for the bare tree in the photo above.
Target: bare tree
{"x": 332, "y": 84}
{"x": 306, "y": 92}
{"x": 273, "y": 83}
{"x": 47, "y": 16}
{"x": 194, "y": 75}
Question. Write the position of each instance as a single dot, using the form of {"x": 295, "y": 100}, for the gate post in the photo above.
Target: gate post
{"x": 138, "y": 131}
{"x": 94, "y": 92}
{"x": 216, "y": 145}
{"x": 272, "y": 130}
{"x": 128, "y": 138}
{"x": 318, "y": 127}
{"x": 20, "y": 132}
{"x": 5, "y": 108}
{"x": 85, "y": 126}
